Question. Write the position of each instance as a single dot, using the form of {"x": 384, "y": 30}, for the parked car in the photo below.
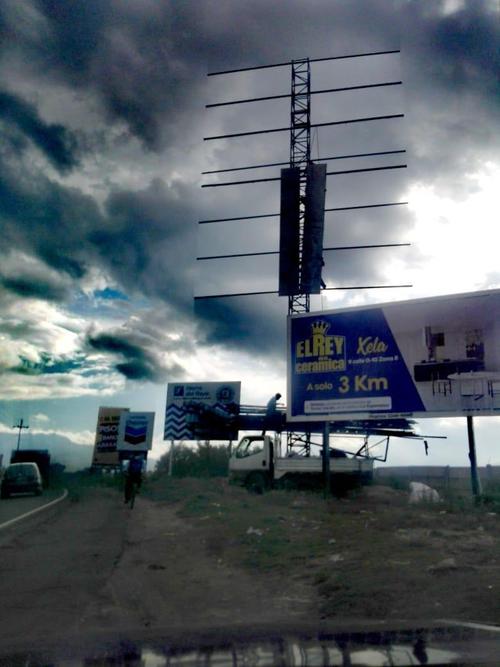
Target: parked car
{"x": 21, "y": 478}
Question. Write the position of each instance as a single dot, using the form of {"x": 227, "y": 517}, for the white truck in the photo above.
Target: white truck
{"x": 256, "y": 463}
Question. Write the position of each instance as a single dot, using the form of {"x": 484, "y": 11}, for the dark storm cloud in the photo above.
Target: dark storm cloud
{"x": 48, "y": 365}
{"x": 56, "y": 142}
{"x": 138, "y": 362}
{"x": 145, "y": 62}
{"x": 462, "y": 47}
{"x": 46, "y": 219}
{"x": 28, "y": 287}
{"x": 144, "y": 239}
{"x": 256, "y": 324}
{"x": 148, "y": 241}
{"x": 453, "y": 62}
{"x": 136, "y": 56}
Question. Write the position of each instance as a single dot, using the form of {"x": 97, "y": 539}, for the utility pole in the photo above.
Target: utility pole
{"x": 20, "y": 425}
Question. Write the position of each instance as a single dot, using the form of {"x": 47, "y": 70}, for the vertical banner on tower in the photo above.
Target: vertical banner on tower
{"x": 314, "y": 222}
{"x": 289, "y": 261}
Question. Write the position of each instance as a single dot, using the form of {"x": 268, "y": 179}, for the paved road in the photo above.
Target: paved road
{"x": 54, "y": 565}
{"x": 17, "y": 505}
{"x": 91, "y": 569}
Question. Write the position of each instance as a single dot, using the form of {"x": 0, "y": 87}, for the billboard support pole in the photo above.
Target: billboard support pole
{"x": 171, "y": 458}
{"x": 326, "y": 458}
{"x": 474, "y": 474}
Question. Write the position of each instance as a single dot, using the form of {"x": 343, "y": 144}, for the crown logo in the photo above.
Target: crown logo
{"x": 320, "y": 328}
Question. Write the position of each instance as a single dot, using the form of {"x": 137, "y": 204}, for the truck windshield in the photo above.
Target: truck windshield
{"x": 21, "y": 470}
{"x": 249, "y": 447}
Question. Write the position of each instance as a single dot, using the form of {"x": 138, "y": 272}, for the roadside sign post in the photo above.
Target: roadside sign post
{"x": 171, "y": 458}
{"x": 474, "y": 473}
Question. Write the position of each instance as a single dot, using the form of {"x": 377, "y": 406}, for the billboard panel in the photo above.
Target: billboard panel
{"x": 135, "y": 431}
{"x": 202, "y": 410}
{"x": 314, "y": 222}
{"x": 106, "y": 438}
{"x": 289, "y": 232}
{"x": 433, "y": 357}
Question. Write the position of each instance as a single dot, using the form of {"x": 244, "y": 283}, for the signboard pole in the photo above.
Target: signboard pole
{"x": 171, "y": 458}
{"x": 326, "y": 458}
{"x": 474, "y": 474}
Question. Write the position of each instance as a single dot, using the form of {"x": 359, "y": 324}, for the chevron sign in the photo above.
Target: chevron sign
{"x": 136, "y": 431}
{"x": 175, "y": 424}
{"x": 202, "y": 410}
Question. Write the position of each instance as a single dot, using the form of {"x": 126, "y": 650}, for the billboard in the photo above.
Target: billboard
{"x": 106, "y": 437}
{"x": 202, "y": 410}
{"x": 435, "y": 357}
{"x": 135, "y": 432}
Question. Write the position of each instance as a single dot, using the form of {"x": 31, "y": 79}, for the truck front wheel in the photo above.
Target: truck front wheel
{"x": 257, "y": 482}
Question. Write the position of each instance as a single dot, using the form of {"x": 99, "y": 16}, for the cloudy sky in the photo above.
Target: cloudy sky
{"x": 103, "y": 120}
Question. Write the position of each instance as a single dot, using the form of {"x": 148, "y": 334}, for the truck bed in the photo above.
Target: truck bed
{"x": 313, "y": 464}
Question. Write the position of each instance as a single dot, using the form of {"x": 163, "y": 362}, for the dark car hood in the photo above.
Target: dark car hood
{"x": 445, "y": 643}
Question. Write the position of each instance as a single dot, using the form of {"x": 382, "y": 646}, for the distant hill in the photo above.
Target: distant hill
{"x": 62, "y": 449}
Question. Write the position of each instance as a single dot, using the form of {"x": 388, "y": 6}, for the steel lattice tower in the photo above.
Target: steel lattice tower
{"x": 300, "y": 155}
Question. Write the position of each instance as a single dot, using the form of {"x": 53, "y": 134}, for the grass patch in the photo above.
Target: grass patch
{"x": 369, "y": 555}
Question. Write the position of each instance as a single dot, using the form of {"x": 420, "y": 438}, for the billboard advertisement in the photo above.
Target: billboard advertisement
{"x": 435, "y": 357}
{"x": 106, "y": 437}
{"x": 135, "y": 432}
{"x": 202, "y": 410}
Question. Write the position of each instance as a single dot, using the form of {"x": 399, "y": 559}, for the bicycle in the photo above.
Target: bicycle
{"x": 131, "y": 487}
{"x": 132, "y": 494}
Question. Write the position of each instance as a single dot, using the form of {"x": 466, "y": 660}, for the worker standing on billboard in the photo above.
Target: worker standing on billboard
{"x": 133, "y": 475}
{"x": 271, "y": 412}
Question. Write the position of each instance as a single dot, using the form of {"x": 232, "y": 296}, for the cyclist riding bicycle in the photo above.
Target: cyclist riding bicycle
{"x": 133, "y": 475}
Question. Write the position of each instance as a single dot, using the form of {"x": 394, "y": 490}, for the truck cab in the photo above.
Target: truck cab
{"x": 252, "y": 461}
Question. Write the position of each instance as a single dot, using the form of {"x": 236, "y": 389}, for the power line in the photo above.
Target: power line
{"x": 287, "y": 129}
{"x": 312, "y": 60}
{"x": 224, "y": 296}
{"x": 322, "y": 159}
{"x": 313, "y": 92}
{"x": 328, "y": 173}
{"x": 276, "y": 252}
{"x": 276, "y": 215}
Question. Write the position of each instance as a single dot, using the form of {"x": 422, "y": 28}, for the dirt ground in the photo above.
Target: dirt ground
{"x": 195, "y": 555}
{"x": 370, "y": 555}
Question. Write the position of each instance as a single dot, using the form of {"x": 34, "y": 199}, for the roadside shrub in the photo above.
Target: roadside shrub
{"x": 204, "y": 461}
{"x": 394, "y": 482}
